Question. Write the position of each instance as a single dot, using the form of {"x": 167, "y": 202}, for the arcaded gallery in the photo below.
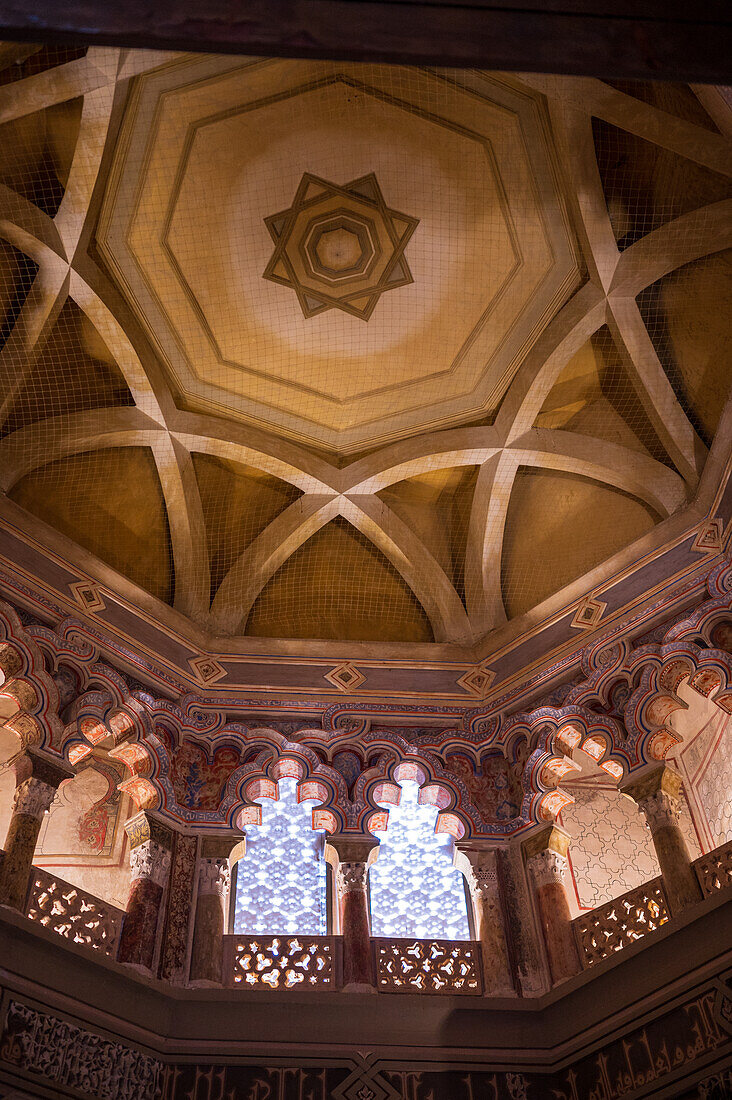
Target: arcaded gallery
{"x": 365, "y": 553}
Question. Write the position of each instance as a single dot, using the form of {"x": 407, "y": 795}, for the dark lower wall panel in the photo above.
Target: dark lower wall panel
{"x": 683, "y": 1052}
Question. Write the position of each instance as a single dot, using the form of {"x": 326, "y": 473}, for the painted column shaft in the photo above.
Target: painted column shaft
{"x": 210, "y": 923}
{"x": 658, "y": 793}
{"x": 480, "y": 867}
{"x": 682, "y": 887}
{"x": 150, "y": 858}
{"x": 521, "y": 929}
{"x": 174, "y": 954}
{"x": 139, "y": 930}
{"x": 32, "y": 799}
{"x": 358, "y": 966}
{"x": 351, "y": 858}
{"x": 547, "y": 864}
{"x": 551, "y": 898}
{"x": 492, "y": 936}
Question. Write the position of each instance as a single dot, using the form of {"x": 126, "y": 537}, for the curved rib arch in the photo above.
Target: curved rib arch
{"x": 38, "y": 444}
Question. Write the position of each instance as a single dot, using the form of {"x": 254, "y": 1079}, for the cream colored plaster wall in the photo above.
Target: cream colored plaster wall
{"x": 84, "y": 846}
{"x": 704, "y": 759}
{"x": 9, "y": 746}
{"x": 706, "y": 764}
{"x": 612, "y": 848}
{"x": 88, "y": 850}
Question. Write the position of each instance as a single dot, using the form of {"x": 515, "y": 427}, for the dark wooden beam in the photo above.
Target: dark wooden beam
{"x": 643, "y": 39}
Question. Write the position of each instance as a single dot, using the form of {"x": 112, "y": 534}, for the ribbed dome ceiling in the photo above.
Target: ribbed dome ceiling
{"x": 314, "y": 350}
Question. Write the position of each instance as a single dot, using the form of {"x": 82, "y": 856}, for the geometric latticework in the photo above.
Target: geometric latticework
{"x": 714, "y": 870}
{"x": 427, "y": 966}
{"x": 74, "y": 914}
{"x": 280, "y": 962}
{"x": 618, "y": 923}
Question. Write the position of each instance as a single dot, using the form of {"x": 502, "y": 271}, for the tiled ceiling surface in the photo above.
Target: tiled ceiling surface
{"x": 310, "y": 350}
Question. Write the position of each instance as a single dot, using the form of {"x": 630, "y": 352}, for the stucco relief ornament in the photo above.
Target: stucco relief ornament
{"x": 55, "y": 1050}
{"x": 150, "y": 860}
{"x": 661, "y": 810}
{"x": 484, "y": 880}
{"x": 33, "y": 797}
{"x": 214, "y": 877}
{"x": 351, "y": 876}
{"x": 547, "y": 867}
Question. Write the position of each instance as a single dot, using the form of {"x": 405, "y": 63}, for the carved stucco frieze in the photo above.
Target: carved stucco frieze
{"x": 33, "y": 797}
{"x": 214, "y": 877}
{"x": 547, "y": 867}
{"x": 150, "y": 861}
{"x": 55, "y": 1050}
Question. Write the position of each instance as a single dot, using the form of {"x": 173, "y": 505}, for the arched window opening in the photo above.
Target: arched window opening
{"x": 414, "y": 888}
{"x": 281, "y": 884}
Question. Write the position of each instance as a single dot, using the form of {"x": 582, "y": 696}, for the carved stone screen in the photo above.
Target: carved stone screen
{"x": 415, "y": 890}
{"x": 281, "y": 882}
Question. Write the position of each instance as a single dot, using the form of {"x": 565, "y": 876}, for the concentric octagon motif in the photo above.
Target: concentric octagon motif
{"x": 339, "y": 247}
{"x": 214, "y": 147}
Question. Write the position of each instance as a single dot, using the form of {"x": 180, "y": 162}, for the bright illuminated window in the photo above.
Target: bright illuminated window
{"x": 415, "y": 890}
{"x": 281, "y": 882}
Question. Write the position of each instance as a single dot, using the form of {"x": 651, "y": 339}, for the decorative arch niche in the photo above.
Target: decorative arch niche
{"x": 280, "y": 883}
{"x": 414, "y": 888}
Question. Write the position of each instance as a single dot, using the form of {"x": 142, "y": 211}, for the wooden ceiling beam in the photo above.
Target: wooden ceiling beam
{"x": 616, "y": 39}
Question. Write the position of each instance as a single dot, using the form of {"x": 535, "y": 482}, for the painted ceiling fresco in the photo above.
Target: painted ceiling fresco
{"x": 350, "y": 352}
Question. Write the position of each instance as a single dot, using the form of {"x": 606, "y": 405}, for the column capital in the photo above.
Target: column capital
{"x": 546, "y": 855}
{"x": 550, "y": 838}
{"x": 214, "y": 869}
{"x": 659, "y": 778}
{"x": 33, "y": 798}
{"x": 547, "y": 866}
{"x": 143, "y": 827}
{"x": 214, "y": 877}
{"x": 31, "y": 764}
{"x": 351, "y": 849}
{"x": 479, "y": 864}
{"x": 351, "y": 876}
{"x": 150, "y": 861}
{"x": 657, "y": 792}
{"x": 37, "y": 778}
{"x": 151, "y": 848}
{"x": 350, "y": 858}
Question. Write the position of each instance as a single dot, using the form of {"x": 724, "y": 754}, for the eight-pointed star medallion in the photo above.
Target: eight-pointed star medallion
{"x": 339, "y": 247}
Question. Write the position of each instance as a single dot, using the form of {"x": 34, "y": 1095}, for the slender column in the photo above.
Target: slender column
{"x": 480, "y": 867}
{"x": 521, "y": 928}
{"x": 37, "y": 780}
{"x": 150, "y": 849}
{"x": 351, "y": 859}
{"x": 181, "y": 903}
{"x": 658, "y": 794}
{"x": 546, "y": 863}
{"x": 214, "y": 879}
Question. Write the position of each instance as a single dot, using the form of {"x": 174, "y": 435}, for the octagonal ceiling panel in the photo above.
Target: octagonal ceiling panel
{"x": 448, "y": 248}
